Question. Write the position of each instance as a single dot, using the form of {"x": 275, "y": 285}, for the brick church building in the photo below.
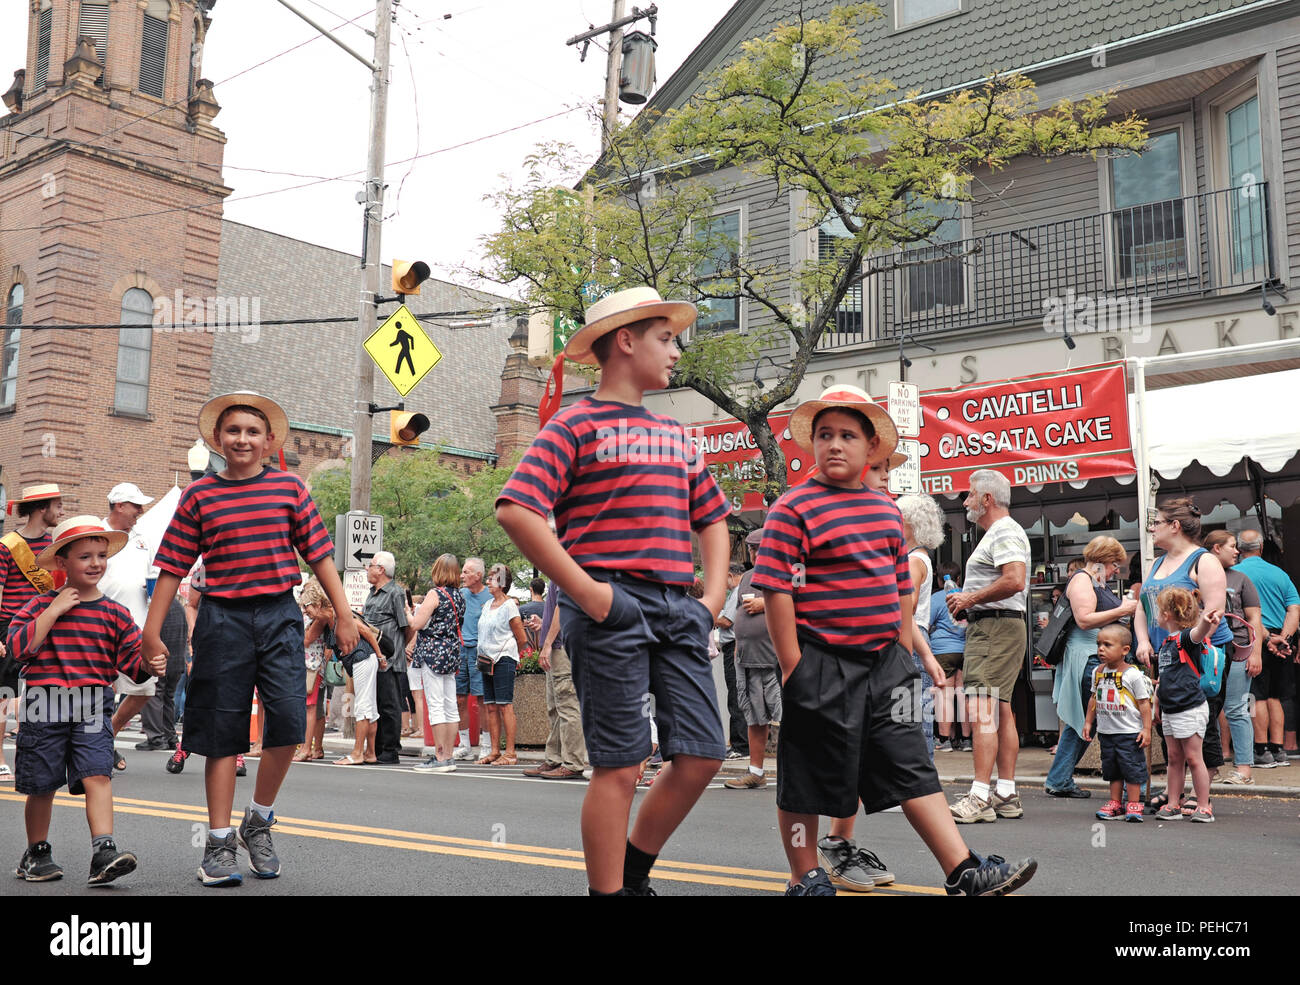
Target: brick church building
{"x": 111, "y": 189}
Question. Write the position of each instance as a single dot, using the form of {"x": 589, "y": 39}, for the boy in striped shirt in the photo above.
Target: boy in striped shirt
{"x": 627, "y": 490}
{"x": 71, "y": 644}
{"x": 838, "y": 594}
{"x": 250, "y": 522}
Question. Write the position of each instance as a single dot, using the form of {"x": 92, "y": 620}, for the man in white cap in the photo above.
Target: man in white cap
{"x": 125, "y": 581}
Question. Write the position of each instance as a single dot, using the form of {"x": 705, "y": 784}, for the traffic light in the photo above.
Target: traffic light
{"x": 405, "y": 428}
{"x": 408, "y": 275}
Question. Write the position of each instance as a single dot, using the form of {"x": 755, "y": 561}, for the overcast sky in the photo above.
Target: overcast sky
{"x": 494, "y": 65}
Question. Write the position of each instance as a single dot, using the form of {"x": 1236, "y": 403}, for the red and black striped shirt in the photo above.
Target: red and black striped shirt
{"x": 840, "y": 554}
{"x": 18, "y": 591}
{"x": 626, "y": 487}
{"x": 87, "y": 645}
{"x": 247, "y": 531}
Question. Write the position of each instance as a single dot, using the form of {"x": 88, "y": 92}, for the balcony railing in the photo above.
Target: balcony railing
{"x": 1185, "y": 247}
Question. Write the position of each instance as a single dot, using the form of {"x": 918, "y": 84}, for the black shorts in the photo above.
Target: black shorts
{"x": 850, "y": 730}
{"x": 239, "y": 645}
{"x": 1276, "y": 679}
{"x": 1122, "y": 758}
{"x": 66, "y": 735}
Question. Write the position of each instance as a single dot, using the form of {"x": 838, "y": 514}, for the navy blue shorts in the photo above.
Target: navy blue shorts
{"x": 851, "y": 729}
{"x": 1122, "y": 758}
{"x": 66, "y": 735}
{"x": 649, "y": 657}
{"x": 240, "y": 644}
{"x": 499, "y": 686}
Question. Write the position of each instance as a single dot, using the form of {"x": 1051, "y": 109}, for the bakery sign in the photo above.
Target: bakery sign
{"x": 1059, "y": 427}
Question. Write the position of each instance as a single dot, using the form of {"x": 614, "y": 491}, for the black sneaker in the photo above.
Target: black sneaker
{"x": 108, "y": 864}
{"x": 255, "y": 836}
{"x": 815, "y": 883}
{"x": 176, "y": 762}
{"x": 220, "y": 865}
{"x": 644, "y": 889}
{"x": 38, "y": 865}
{"x": 994, "y": 876}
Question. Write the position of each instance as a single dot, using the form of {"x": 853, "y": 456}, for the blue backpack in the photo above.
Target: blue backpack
{"x": 1210, "y": 672}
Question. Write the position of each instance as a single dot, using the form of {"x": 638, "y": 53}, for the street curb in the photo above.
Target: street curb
{"x": 1096, "y": 783}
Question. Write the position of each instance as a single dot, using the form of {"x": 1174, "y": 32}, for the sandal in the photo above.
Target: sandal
{"x": 1189, "y": 806}
{"x": 318, "y": 754}
{"x": 489, "y": 759}
{"x": 6, "y": 774}
{"x": 1157, "y": 802}
{"x": 348, "y": 761}
{"x": 119, "y": 761}
{"x": 507, "y": 761}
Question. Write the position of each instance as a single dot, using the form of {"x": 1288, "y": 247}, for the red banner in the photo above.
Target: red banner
{"x": 1058, "y": 427}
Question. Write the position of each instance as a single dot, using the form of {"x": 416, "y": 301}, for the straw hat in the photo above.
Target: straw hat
{"x": 850, "y": 398}
{"x": 34, "y": 494}
{"x": 78, "y": 528}
{"x": 622, "y": 308}
{"x": 213, "y": 409}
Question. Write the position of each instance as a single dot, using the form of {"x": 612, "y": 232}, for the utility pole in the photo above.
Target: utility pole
{"x": 371, "y": 266}
{"x": 372, "y": 214}
{"x": 614, "y": 62}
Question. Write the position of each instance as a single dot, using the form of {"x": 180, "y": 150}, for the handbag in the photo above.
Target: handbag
{"x": 485, "y": 664}
{"x": 332, "y": 672}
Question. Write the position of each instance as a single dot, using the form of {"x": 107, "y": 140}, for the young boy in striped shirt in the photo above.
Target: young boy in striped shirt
{"x": 627, "y": 490}
{"x": 71, "y": 645}
{"x": 838, "y": 593}
{"x": 250, "y": 522}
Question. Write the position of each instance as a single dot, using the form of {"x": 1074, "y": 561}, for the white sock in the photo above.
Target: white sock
{"x": 266, "y": 812}
{"x": 756, "y": 770}
{"x": 980, "y": 790}
{"x": 219, "y": 833}
{"x": 1006, "y": 788}
{"x": 464, "y": 737}
{"x": 484, "y": 740}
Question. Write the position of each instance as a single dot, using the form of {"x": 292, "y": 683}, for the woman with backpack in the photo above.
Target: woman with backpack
{"x": 436, "y": 652}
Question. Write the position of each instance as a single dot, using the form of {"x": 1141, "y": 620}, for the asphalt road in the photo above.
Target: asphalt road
{"x": 489, "y": 831}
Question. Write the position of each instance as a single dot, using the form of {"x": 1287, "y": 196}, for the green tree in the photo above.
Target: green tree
{"x": 865, "y": 158}
{"x": 428, "y": 509}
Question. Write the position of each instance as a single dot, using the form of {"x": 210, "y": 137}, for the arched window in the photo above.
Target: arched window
{"x": 9, "y": 348}
{"x": 133, "y": 350}
{"x": 44, "y": 25}
{"x": 153, "y": 49}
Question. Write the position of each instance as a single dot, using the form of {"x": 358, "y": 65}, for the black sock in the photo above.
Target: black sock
{"x": 1260, "y": 748}
{"x": 636, "y": 867}
{"x": 595, "y": 892}
{"x": 1276, "y": 749}
{"x": 968, "y": 863}
{"x": 97, "y": 842}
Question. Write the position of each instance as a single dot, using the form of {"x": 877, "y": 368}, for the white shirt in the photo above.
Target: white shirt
{"x": 1003, "y": 543}
{"x": 495, "y": 637}
{"x": 125, "y": 575}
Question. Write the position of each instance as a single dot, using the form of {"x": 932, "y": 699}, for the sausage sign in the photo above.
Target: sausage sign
{"x": 1059, "y": 427}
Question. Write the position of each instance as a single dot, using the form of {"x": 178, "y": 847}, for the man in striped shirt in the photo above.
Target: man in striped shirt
{"x": 627, "y": 490}
{"x": 838, "y": 594}
{"x": 72, "y": 644}
{"x": 250, "y": 522}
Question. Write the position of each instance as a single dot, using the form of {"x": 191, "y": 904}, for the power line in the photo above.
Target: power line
{"x": 183, "y": 327}
{"x": 276, "y": 191}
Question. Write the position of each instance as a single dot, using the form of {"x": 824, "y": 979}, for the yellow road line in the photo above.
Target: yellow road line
{"x": 561, "y": 858}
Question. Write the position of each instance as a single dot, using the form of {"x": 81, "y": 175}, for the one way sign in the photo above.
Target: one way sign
{"x": 358, "y": 537}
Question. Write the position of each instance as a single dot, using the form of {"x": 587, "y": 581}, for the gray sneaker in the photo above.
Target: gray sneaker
{"x": 1264, "y": 760}
{"x": 971, "y": 809}
{"x": 432, "y": 764}
{"x": 839, "y": 858}
{"x": 220, "y": 866}
{"x": 255, "y": 836}
{"x": 1007, "y": 806}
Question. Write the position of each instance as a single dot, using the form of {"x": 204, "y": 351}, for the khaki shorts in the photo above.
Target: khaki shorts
{"x": 950, "y": 662}
{"x": 125, "y": 685}
{"x": 995, "y": 654}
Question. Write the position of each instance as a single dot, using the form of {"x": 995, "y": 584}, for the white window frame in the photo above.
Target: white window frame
{"x": 902, "y": 294}
{"x": 11, "y": 337}
{"x": 1216, "y": 160}
{"x": 902, "y": 25}
{"x": 118, "y": 407}
{"x": 1182, "y": 122}
{"x": 742, "y": 226}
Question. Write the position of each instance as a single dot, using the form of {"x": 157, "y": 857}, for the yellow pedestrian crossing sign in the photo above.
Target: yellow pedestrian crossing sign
{"x": 402, "y": 351}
